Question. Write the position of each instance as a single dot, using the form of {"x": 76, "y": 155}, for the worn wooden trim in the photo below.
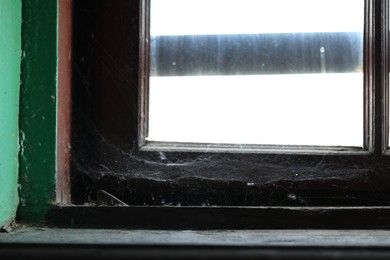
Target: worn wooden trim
{"x": 38, "y": 108}
{"x": 369, "y": 77}
{"x": 65, "y": 23}
{"x": 375, "y": 72}
{"x": 85, "y": 251}
{"x": 10, "y": 58}
{"x": 385, "y": 77}
{"x": 144, "y": 72}
{"x": 250, "y": 148}
{"x": 198, "y": 218}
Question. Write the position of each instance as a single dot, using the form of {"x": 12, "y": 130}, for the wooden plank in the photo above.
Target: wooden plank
{"x": 200, "y": 218}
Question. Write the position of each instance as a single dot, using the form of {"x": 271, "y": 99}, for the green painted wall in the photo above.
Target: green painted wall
{"x": 10, "y": 53}
{"x": 38, "y": 109}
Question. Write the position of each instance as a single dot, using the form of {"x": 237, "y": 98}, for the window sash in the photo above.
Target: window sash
{"x": 320, "y": 177}
{"x": 375, "y": 106}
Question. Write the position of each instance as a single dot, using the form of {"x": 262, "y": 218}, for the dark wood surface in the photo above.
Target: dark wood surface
{"x": 48, "y": 243}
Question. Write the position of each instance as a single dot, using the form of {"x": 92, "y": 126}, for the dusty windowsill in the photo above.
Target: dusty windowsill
{"x": 45, "y": 242}
{"x": 255, "y": 238}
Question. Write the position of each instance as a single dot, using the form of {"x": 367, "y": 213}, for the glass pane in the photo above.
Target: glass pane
{"x": 257, "y": 72}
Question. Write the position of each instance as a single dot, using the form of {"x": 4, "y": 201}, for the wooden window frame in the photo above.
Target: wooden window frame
{"x": 143, "y": 101}
{"x": 293, "y": 188}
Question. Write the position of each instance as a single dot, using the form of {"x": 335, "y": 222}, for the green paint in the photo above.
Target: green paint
{"x": 10, "y": 48}
{"x": 38, "y": 109}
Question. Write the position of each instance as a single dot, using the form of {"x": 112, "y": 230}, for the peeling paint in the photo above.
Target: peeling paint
{"x": 10, "y": 46}
{"x": 38, "y": 108}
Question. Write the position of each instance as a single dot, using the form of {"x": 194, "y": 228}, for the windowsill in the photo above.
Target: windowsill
{"x": 252, "y": 238}
{"x": 198, "y": 179}
{"x": 152, "y": 244}
{"x": 219, "y": 218}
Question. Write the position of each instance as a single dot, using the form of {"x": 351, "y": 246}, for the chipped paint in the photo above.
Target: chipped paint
{"x": 38, "y": 108}
{"x": 10, "y": 46}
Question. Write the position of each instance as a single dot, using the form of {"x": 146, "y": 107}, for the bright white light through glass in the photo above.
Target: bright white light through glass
{"x": 191, "y": 17}
{"x": 277, "y": 72}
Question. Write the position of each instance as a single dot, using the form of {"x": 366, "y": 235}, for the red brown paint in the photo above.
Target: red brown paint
{"x": 64, "y": 101}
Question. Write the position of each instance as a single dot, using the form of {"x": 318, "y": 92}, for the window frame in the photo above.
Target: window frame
{"x": 385, "y": 78}
{"x": 307, "y": 163}
{"x": 41, "y": 170}
{"x": 370, "y": 111}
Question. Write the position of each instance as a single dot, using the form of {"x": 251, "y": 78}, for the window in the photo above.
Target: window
{"x": 118, "y": 158}
{"x": 251, "y": 73}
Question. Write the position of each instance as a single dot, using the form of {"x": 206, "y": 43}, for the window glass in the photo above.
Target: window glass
{"x": 277, "y": 72}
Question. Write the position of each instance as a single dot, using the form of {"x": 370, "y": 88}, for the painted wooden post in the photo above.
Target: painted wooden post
{"x": 10, "y": 54}
{"x": 38, "y": 109}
